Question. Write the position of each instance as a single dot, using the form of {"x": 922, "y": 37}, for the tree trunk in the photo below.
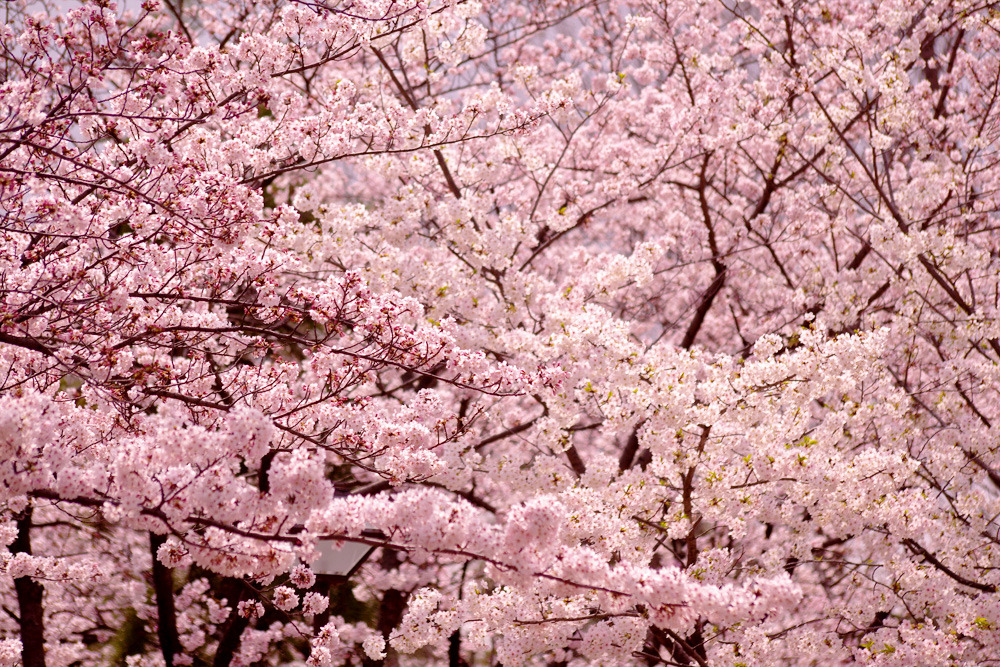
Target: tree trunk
{"x": 234, "y": 627}
{"x": 29, "y": 600}
{"x": 163, "y": 584}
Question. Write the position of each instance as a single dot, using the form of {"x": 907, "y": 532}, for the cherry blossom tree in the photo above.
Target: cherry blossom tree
{"x": 625, "y": 332}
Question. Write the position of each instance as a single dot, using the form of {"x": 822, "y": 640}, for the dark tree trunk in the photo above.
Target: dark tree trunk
{"x": 234, "y": 627}
{"x": 390, "y": 611}
{"x": 29, "y": 600}
{"x": 455, "y": 650}
{"x": 163, "y": 584}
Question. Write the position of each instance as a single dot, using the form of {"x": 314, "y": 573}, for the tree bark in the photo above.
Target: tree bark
{"x": 390, "y": 612}
{"x": 234, "y": 627}
{"x": 29, "y": 600}
{"x": 163, "y": 585}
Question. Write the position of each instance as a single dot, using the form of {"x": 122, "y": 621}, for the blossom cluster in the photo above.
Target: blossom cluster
{"x": 613, "y": 332}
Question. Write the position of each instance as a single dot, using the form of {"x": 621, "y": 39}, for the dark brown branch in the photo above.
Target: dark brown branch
{"x": 630, "y": 449}
{"x": 992, "y": 474}
{"x": 935, "y": 273}
{"x": 918, "y": 550}
{"x": 705, "y": 304}
{"x": 438, "y": 155}
{"x": 575, "y": 461}
{"x": 26, "y": 343}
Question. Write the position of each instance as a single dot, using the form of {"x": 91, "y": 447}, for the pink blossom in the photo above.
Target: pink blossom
{"x": 612, "y": 332}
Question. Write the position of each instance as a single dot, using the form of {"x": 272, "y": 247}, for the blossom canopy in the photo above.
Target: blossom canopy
{"x": 623, "y": 332}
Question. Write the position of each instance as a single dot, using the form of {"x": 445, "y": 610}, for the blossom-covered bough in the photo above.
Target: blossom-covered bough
{"x": 628, "y": 332}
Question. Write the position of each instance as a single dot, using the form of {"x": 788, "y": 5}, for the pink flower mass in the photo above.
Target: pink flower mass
{"x": 622, "y": 332}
